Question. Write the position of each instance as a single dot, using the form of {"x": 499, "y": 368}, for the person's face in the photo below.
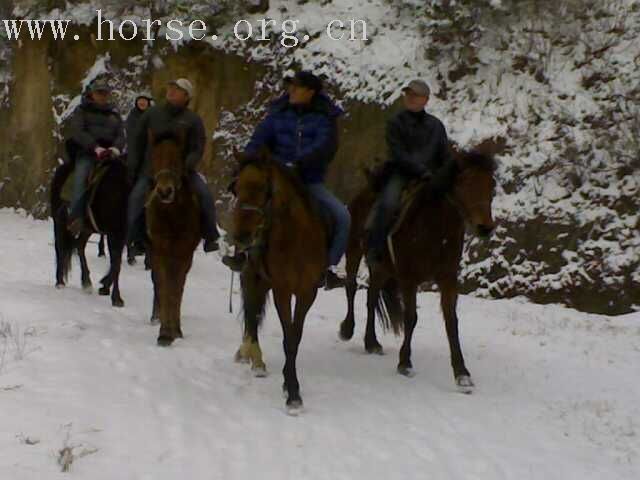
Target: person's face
{"x": 142, "y": 104}
{"x": 176, "y": 96}
{"x": 299, "y": 95}
{"x": 100, "y": 97}
{"x": 414, "y": 102}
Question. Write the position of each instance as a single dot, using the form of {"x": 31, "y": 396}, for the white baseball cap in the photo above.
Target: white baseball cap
{"x": 183, "y": 84}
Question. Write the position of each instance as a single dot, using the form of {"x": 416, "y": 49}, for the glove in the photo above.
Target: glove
{"x": 114, "y": 152}
{"x": 100, "y": 152}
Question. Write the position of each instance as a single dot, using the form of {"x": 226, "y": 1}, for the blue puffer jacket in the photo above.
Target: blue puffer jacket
{"x": 303, "y": 136}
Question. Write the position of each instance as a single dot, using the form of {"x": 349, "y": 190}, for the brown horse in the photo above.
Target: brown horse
{"x": 275, "y": 222}
{"x": 173, "y": 228}
{"x": 426, "y": 246}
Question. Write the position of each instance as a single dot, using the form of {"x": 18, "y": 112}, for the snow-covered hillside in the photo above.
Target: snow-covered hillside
{"x": 558, "y": 99}
{"x": 556, "y": 397}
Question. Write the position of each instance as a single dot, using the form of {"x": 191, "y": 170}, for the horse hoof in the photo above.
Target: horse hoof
{"x": 118, "y": 302}
{"x": 240, "y": 358}
{"x": 131, "y": 261}
{"x": 405, "y": 371}
{"x": 259, "y": 372}
{"x": 155, "y": 320}
{"x": 88, "y": 289}
{"x": 164, "y": 341}
{"x": 375, "y": 350}
{"x": 104, "y": 291}
{"x": 294, "y": 407}
{"x": 60, "y": 286}
{"x": 345, "y": 333}
{"x": 464, "y": 384}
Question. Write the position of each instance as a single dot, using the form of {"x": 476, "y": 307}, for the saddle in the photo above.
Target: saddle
{"x": 409, "y": 195}
{"x": 95, "y": 177}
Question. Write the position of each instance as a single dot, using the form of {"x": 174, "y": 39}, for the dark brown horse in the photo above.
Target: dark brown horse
{"x": 427, "y": 246}
{"x": 108, "y": 208}
{"x": 173, "y": 228}
{"x": 275, "y": 222}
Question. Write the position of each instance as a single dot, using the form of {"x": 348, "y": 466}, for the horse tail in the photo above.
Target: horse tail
{"x": 64, "y": 243}
{"x": 389, "y": 308}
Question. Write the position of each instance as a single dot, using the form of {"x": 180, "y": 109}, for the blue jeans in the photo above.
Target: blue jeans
{"x": 136, "y": 208}
{"x": 341, "y": 217}
{"x": 82, "y": 169}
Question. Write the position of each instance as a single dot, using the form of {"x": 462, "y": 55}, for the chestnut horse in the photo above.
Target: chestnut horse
{"x": 173, "y": 228}
{"x": 426, "y": 246}
{"x": 285, "y": 238}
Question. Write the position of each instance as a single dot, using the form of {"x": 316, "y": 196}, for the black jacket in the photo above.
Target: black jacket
{"x": 161, "y": 119}
{"x": 417, "y": 144}
{"x": 93, "y": 126}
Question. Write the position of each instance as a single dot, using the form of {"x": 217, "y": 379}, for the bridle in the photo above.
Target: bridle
{"x": 164, "y": 171}
{"x": 265, "y": 211}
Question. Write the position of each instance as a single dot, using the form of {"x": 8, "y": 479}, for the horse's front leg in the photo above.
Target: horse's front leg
{"x": 290, "y": 342}
{"x": 405, "y": 367}
{"x": 167, "y": 290}
{"x": 448, "y": 301}
{"x": 254, "y": 297}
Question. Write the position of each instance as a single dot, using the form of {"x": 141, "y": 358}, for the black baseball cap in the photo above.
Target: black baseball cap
{"x": 305, "y": 79}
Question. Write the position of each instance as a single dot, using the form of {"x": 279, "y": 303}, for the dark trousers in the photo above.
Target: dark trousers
{"x": 384, "y": 211}
{"x": 136, "y": 208}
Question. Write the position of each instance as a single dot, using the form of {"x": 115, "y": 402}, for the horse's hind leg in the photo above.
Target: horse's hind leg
{"x": 371, "y": 344}
{"x": 448, "y": 301}
{"x": 254, "y": 297}
{"x": 405, "y": 367}
{"x": 116, "y": 245}
{"x": 86, "y": 274}
{"x": 348, "y": 324}
{"x": 101, "y": 246}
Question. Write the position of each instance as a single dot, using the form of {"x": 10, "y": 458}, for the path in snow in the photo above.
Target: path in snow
{"x": 557, "y": 394}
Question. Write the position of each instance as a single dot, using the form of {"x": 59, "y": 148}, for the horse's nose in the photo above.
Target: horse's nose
{"x": 166, "y": 193}
{"x": 484, "y": 230}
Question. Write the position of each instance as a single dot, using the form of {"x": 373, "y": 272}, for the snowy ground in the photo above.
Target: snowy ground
{"x": 557, "y": 392}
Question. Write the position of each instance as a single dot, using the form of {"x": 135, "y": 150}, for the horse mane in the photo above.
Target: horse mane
{"x": 476, "y": 159}
{"x": 265, "y": 160}
{"x": 167, "y": 136}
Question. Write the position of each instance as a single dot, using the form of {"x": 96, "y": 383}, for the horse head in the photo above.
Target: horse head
{"x": 474, "y": 189}
{"x": 252, "y": 188}
{"x": 167, "y": 160}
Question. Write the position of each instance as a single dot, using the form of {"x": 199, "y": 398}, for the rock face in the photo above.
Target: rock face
{"x": 569, "y": 177}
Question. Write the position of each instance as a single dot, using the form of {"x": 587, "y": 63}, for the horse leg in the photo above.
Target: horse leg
{"x": 101, "y": 246}
{"x": 182, "y": 267}
{"x": 448, "y": 301}
{"x": 155, "y": 313}
{"x": 348, "y": 324}
{"x": 254, "y": 297}
{"x": 131, "y": 259}
{"x": 165, "y": 284}
{"x": 405, "y": 367}
{"x": 371, "y": 344}
{"x": 290, "y": 342}
{"x": 303, "y": 304}
{"x": 64, "y": 247}
{"x": 116, "y": 245}
{"x": 86, "y": 274}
